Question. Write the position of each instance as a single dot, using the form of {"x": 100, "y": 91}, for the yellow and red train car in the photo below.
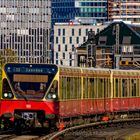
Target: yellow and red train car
{"x": 40, "y": 94}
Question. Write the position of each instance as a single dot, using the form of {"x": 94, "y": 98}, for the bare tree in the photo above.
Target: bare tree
{"x": 7, "y": 56}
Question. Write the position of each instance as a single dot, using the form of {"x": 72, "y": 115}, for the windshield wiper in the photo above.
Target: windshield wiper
{"x": 23, "y": 96}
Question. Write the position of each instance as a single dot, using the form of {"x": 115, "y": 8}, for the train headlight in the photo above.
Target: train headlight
{"x": 51, "y": 96}
{"x": 5, "y": 95}
{"x": 10, "y": 95}
{"x": 54, "y": 96}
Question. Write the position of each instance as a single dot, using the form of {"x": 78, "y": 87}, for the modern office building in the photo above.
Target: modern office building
{"x": 63, "y": 11}
{"x": 67, "y": 37}
{"x": 92, "y": 11}
{"x": 83, "y": 10}
{"x": 127, "y": 10}
{"x": 25, "y": 29}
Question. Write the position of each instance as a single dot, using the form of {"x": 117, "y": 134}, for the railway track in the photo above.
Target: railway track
{"x": 25, "y": 135}
{"x": 9, "y": 134}
{"x": 111, "y": 130}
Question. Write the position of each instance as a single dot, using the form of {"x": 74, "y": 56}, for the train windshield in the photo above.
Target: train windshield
{"x": 30, "y": 81}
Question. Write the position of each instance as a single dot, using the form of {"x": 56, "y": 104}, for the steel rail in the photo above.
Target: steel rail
{"x": 54, "y": 135}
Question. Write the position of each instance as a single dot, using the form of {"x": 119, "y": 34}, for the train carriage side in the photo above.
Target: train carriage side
{"x": 126, "y": 90}
{"x": 84, "y": 91}
{"x": 69, "y": 91}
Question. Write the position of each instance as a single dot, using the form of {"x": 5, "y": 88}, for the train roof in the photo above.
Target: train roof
{"x": 98, "y": 69}
{"x": 82, "y": 68}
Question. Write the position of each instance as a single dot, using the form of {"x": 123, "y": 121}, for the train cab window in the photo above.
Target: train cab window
{"x": 53, "y": 92}
{"x": 6, "y": 90}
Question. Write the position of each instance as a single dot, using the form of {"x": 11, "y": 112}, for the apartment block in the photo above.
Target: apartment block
{"x": 25, "y": 29}
{"x": 69, "y": 36}
{"x": 127, "y": 10}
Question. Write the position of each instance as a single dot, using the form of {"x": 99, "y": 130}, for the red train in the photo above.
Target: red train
{"x": 44, "y": 94}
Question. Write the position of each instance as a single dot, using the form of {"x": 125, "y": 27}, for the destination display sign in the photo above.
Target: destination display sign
{"x": 31, "y": 68}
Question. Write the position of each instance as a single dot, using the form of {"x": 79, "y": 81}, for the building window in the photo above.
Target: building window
{"x": 59, "y": 32}
{"x": 56, "y": 55}
{"x": 70, "y": 55}
{"x": 63, "y": 55}
{"x": 57, "y": 62}
{"x": 84, "y": 39}
{"x": 66, "y": 47}
{"x": 56, "y": 40}
{"x": 77, "y": 40}
{"x": 72, "y": 32}
{"x": 63, "y": 32}
{"x": 86, "y": 32}
{"x": 70, "y": 63}
{"x": 73, "y": 48}
{"x": 70, "y": 40}
{"x": 59, "y": 48}
{"x": 63, "y": 40}
{"x": 102, "y": 40}
{"x": 79, "y": 32}
{"x": 61, "y": 62}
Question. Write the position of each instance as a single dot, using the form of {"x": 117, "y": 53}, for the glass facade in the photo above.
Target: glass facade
{"x": 25, "y": 27}
{"x": 92, "y": 10}
{"x": 85, "y": 10}
{"x": 64, "y": 11}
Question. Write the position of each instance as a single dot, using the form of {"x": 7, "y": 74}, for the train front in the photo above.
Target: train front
{"x": 29, "y": 95}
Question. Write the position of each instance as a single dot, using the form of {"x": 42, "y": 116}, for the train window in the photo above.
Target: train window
{"x": 85, "y": 87}
{"x": 92, "y": 91}
{"x": 60, "y": 88}
{"x": 138, "y": 87}
{"x": 116, "y": 85}
{"x": 72, "y": 87}
{"x": 120, "y": 87}
{"x": 68, "y": 87}
{"x": 133, "y": 82}
{"x": 95, "y": 88}
{"x": 74, "y": 84}
{"x": 6, "y": 90}
{"x": 106, "y": 89}
{"x": 79, "y": 88}
{"x": 109, "y": 88}
{"x": 100, "y": 88}
{"x": 64, "y": 88}
{"x": 124, "y": 87}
